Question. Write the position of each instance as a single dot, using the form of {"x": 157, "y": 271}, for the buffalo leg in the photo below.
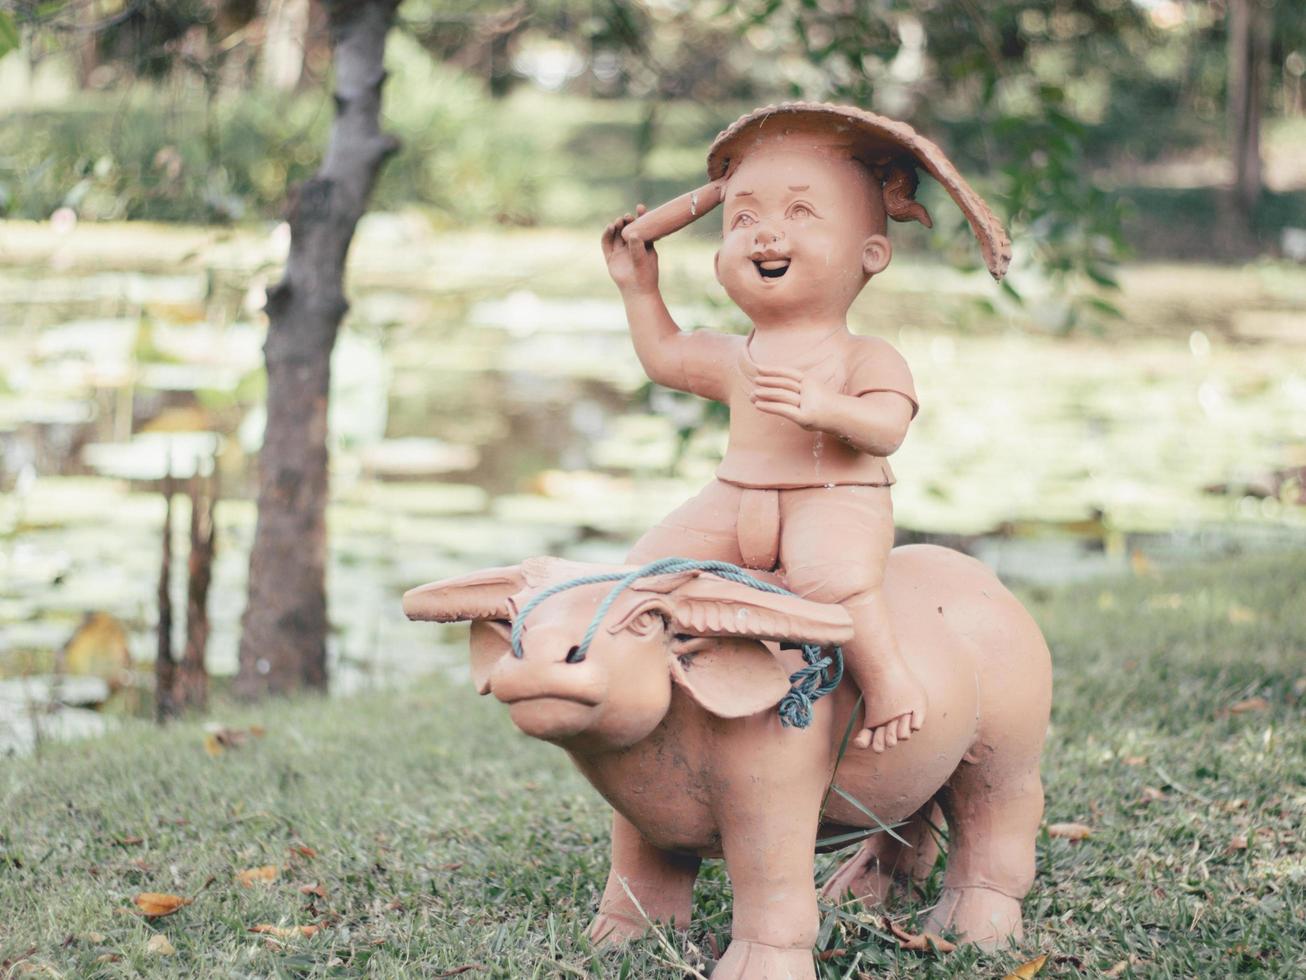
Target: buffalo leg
{"x": 883, "y": 865}
{"x": 768, "y": 834}
{"x": 993, "y": 812}
{"x": 661, "y": 882}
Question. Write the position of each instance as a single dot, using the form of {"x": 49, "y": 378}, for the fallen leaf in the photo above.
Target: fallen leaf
{"x": 465, "y": 968}
{"x": 1135, "y": 760}
{"x": 1249, "y": 704}
{"x": 395, "y": 906}
{"x": 249, "y": 876}
{"x": 159, "y": 945}
{"x": 831, "y": 954}
{"x": 452, "y": 866}
{"x": 108, "y": 958}
{"x": 1122, "y": 966}
{"x": 1241, "y": 614}
{"x": 1151, "y": 794}
{"x": 155, "y": 905}
{"x": 1027, "y": 969}
{"x": 923, "y": 943}
{"x": 129, "y": 841}
{"x": 314, "y": 888}
{"x": 219, "y": 738}
{"x": 1238, "y": 843}
{"x": 286, "y": 932}
{"x": 1070, "y": 831}
{"x": 94, "y": 937}
{"x": 303, "y": 850}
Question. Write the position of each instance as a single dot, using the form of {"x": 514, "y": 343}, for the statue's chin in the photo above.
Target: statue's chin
{"x": 552, "y": 719}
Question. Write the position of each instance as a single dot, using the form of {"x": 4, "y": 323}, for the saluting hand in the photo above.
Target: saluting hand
{"x": 632, "y": 262}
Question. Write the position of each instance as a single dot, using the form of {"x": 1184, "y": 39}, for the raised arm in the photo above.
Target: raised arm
{"x": 669, "y": 356}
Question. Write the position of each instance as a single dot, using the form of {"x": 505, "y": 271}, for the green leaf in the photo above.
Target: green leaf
{"x": 867, "y": 811}
{"x": 9, "y": 39}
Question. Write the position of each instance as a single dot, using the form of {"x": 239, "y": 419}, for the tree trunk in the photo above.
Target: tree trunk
{"x": 1249, "y": 50}
{"x": 191, "y": 687}
{"x": 165, "y": 667}
{"x": 283, "y": 638}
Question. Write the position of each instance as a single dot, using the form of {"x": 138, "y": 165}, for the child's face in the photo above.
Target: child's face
{"x": 796, "y": 223}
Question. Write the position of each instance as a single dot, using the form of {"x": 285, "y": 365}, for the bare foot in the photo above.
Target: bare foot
{"x": 883, "y": 730}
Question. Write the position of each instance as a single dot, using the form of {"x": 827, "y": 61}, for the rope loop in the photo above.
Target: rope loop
{"x": 808, "y": 684}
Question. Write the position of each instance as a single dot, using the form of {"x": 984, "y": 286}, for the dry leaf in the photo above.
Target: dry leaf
{"x": 1070, "y": 831}
{"x": 303, "y": 850}
{"x": 219, "y": 738}
{"x": 1027, "y": 969}
{"x": 922, "y": 943}
{"x": 1122, "y": 966}
{"x": 466, "y": 967}
{"x": 249, "y": 876}
{"x": 1135, "y": 760}
{"x": 108, "y": 958}
{"x": 286, "y": 932}
{"x": 129, "y": 841}
{"x": 213, "y": 746}
{"x": 313, "y": 889}
{"x": 1151, "y": 794}
{"x": 1241, "y": 614}
{"x": 1249, "y": 704}
{"x": 155, "y": 905}
{"x": 1238, "y": 843}
{"x": 159, "y": 945}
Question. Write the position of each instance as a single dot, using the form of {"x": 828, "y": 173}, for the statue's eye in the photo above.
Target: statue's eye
{"x": 744, "y": 219}
{"x": 800, "y": 211}
{"x": 647, "y": 622}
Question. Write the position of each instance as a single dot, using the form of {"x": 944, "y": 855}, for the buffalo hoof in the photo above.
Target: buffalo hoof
{"x": 987, "y": 918}
{"x": 757, "y": 961}
{"x": 613, "y": 929}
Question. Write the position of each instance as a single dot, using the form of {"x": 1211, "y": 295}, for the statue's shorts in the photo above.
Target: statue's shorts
{"x": 830, "y": 543}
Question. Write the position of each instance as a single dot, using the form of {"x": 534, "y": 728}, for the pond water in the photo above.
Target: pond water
{"x": 487, "y": 406}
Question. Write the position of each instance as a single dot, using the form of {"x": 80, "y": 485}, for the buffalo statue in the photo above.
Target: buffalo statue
{"x": 668, "y": 708}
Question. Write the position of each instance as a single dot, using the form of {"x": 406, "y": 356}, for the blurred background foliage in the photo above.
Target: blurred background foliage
{"x": 1097, "y": 126}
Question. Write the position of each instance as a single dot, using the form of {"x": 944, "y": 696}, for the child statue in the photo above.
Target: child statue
{"x": 815, "y": 410}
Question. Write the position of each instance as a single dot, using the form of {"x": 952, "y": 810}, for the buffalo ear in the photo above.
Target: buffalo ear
{"x": 704, "y": 605}
{"x": 490, "y": 642}
{"x": 480, "y": 595}
{"x": 732, "y": 677}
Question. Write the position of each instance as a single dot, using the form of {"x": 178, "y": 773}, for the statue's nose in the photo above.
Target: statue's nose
{"x": 767, "y": 234}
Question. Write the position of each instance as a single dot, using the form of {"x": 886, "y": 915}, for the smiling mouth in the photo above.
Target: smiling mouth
{"x": 771, "y": 268}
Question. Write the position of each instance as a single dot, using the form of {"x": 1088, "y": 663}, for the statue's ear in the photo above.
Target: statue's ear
{"x": 731, "y": 677}
{"x": 480, "y": 595}
{"x": 704, "y": 605}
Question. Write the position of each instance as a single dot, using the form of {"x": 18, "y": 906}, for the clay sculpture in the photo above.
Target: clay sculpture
{"x": 705, "y": 703}
{"x": 669, "y": 715}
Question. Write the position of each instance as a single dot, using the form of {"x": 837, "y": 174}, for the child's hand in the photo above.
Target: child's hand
{"x": 633, "y": 264}
{"x": 801, "y": 398}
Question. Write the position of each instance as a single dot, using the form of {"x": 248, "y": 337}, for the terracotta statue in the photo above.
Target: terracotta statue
{"x": 664, "y": 689}
{"x": 669, "y": 713}
{"x": 814, "y": 410}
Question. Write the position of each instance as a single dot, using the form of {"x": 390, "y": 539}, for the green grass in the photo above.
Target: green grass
{"x": 443, "y": 838}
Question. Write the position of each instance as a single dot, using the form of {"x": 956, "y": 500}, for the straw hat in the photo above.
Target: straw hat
{"x": 891, "y": 149}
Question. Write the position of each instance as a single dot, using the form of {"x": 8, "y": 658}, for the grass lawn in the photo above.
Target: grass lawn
{"x": 442, "y": 839}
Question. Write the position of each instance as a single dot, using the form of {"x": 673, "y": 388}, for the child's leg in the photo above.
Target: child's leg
{"x": 705, "y": 527}
{"x": 834, "y": 542}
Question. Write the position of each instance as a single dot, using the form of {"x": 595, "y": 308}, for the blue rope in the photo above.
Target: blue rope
{"x": 807, "y": 685}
